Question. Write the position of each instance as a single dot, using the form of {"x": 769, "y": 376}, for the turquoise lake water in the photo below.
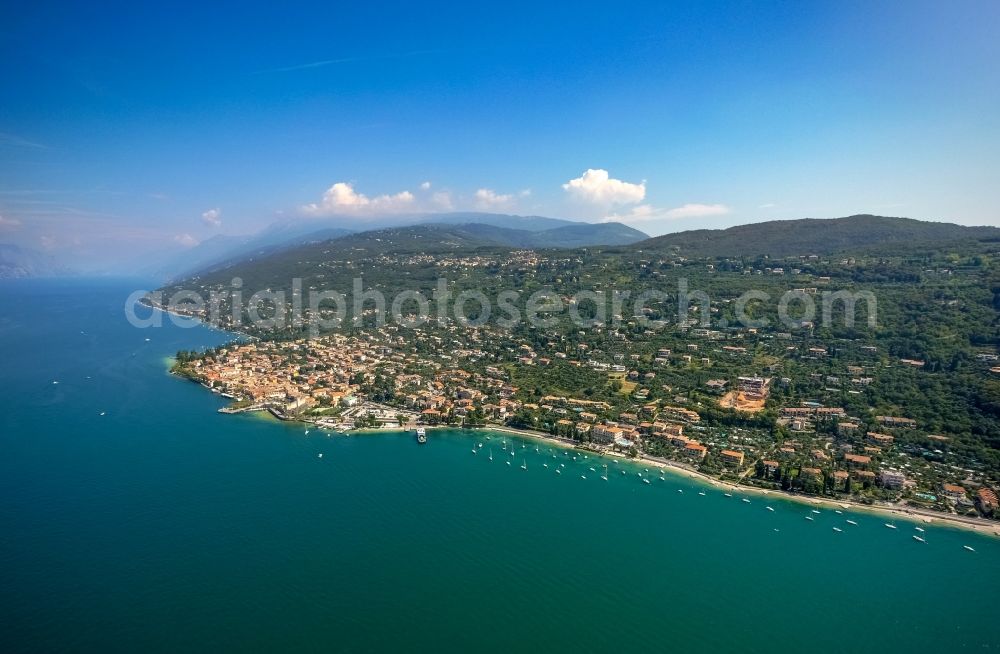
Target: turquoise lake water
{"x": 166, "y": 526}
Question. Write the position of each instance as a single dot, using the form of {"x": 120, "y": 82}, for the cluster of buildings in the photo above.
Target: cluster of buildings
{"x": 445, "y": 374}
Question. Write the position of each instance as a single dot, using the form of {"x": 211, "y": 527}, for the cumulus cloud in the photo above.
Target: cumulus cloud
{"x": 186, "y": 240}
{"x": 342, "y": 198}
{"x": 598, "y": 187}
{"x": 425, "y": 186}
{"x": 212, "y": 217}
{"x": 9, "y": 222}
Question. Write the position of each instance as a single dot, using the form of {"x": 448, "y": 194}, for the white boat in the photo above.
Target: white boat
{"x": 918, "y": 538}
{"x": 838, "y": 511}
{"x": 645, "y": 481}
{"x": 102, "y": 413}
{"x": 809, "y": 517}
{"x": 728, "y": 494}
{"x": 890, "y": 525}
{"x": 920, "y": 529}
{"x": 491, "y": 454}
{"x": 769, "y": 508}
{"x": 307, "y": 432}
{"x": 558, "y": 471}
{"x": 545, "y": 465}
{"x": 320, "y": 455}
{"x": 680, "y": 490}
{"x": 508, "y": 463}
{"x": 968, "y": 548}
{"x": 746, "y": 500}
{"x": 837, "y": 529}
{"x": 583, "y": 476}
{"x": 701, "y": 492}
{"x": 592, "y": 470}
{"x": 815, "y": 511}
{"x": 473, "y": 450}
{"x": 851, "y": 522}
{"x": 524, "y": 464}
{"x": 605, "y": 475}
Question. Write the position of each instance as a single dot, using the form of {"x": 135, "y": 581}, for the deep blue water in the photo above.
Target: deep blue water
{"x": 166, "y": 526}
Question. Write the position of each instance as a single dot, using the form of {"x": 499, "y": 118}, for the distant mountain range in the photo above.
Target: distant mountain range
{"x": 471, "y": 229}
{"x": 854, "y": 234}
{"x": 18, "y": 262}
{"x": 222, "y": 250}
{"x": 782, "y": 238}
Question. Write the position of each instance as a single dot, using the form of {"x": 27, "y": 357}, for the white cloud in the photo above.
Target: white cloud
{"x": 647, "y": 212}
{"x": 9, "y": 222}
{"x": 487, "y": 198}
{"x": 342, "y": 198}
{"x": 186, "y": 240}
{"x": 597, "y": 187}
{"x": 425, "y": 186}
{"x": 769, "y": 205}
{"x": 13, "y": 139}
{"x": 697, "y": 211}
{"x": 212, "y": 217}
{"x": 442, "y": 200}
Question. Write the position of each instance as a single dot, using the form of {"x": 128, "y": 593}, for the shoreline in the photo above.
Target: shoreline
{"x": 915, "y": 516}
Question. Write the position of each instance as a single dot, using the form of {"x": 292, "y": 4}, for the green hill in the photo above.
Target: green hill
{"x": 781, "y": 238}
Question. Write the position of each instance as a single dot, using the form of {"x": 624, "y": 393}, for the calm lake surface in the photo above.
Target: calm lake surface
{"x": 163, "y": 525}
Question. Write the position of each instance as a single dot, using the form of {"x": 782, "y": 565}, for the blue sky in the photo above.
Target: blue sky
{"x": 128, "y": 128}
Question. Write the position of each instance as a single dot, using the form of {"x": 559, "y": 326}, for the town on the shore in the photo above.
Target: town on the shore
{"x": 398, "y": 378}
